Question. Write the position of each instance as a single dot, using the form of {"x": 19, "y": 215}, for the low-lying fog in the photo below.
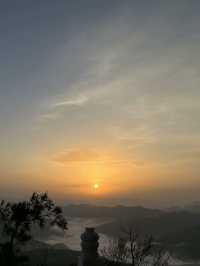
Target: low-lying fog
{"x": 71, "y": 238}
{"x": 76, "y": 226}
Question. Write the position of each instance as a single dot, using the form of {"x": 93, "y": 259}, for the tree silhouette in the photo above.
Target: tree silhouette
{"x": 142, "y": 250}
{"x": 17, "y": 220}
{"x": 133, "y": 249}
{"x": 116, "y": 253}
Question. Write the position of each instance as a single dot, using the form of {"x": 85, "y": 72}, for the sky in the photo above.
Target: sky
{"x": 100, "y": 92}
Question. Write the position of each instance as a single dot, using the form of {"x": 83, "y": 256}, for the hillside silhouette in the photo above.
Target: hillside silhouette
{"x": 178, "y": 229}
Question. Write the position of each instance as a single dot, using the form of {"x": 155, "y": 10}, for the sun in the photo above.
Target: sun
{"x": 96, "y": 186}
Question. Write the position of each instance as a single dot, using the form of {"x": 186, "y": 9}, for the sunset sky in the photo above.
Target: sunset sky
{"x": 100, "y": 100}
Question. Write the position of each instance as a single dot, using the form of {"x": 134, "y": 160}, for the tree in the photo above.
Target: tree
{"x": 132, "y": 248}
{"x": 17, "y": 220}
{"x": 116, "y": 253}
{"x": 160, "y": 258}
{"x": 139, "y": 248}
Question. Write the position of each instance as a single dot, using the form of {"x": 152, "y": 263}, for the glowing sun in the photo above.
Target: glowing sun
{"x": 96, "y": 186}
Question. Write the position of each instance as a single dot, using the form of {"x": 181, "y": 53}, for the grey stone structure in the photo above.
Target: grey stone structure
{"x": 89, "y": 245}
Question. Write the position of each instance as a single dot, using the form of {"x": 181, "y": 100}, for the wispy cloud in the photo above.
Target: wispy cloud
{"x": 80, "y": 100}
{"x": 89, "y": 156}
{"x": 54, "y": 110}
{"x": 78, "y": 155}
{"x": 89, "y": 91}
{"x": 48, "y": 116}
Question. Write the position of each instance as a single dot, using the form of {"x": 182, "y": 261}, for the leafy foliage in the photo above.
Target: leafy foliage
{"x": 18, "y": 219}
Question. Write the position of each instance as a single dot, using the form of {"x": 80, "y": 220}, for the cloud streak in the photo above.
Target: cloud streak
{"x": 79, "y": 101}
{"x": 90, "y": 156}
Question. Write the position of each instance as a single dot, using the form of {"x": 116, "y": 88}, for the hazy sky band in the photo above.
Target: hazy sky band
{"x": 100, "y": 91}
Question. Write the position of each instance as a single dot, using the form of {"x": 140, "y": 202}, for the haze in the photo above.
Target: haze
{"x": 100, "y": 93}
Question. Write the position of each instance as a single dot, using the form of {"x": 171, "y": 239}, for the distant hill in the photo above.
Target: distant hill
{"x": 149, "y": 221}
{"x": 159, "y": 226}
{"x": 177, "y": 228}
{"x": 87, "y": 211}
{"x": 194, "y": 208}
{"x": 178, "y": 231}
